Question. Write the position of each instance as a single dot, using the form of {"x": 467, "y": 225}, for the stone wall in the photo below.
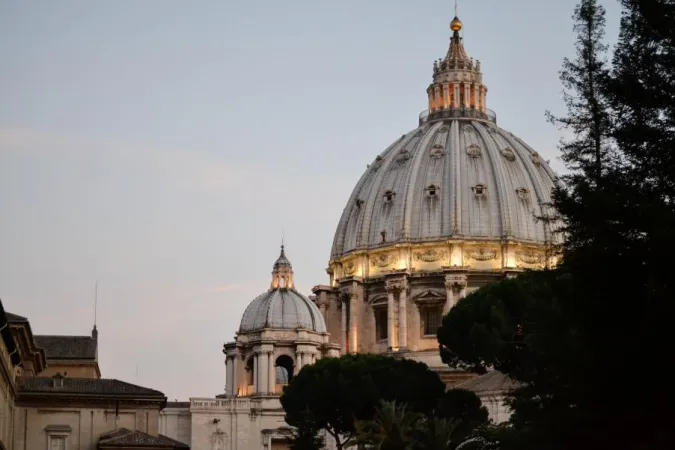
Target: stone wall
{"x": 34, "y": 426}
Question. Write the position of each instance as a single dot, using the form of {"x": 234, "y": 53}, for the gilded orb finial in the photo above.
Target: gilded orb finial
{"x": 456, "y": 24}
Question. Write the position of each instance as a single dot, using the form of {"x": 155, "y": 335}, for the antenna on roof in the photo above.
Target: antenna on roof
{"x": 456, "y": 9}
{"x": 282, "y": 236}
{"x": 94, "y": 332}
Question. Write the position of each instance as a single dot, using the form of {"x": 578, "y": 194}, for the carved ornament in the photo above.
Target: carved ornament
{"x": 396, "y": 285}
{"x": 523, "y": 193}
{"x": 403, "y": 156}
{"x": 508, "y": 154}
{"x": 530, "y": 258}
{"x": 482, "y": 254}
{"x": 349, "y": 267}
{"x": 535, "y": 158}
{"x": 474, "y": 151}
{"x": 378, "y": 163}
{"x": 437, "y": 152}
{"x": 430, "y": 296}
{"x": 455, "y": 281}
{"x": 430, "y": 255}
{"x": 383, "y": 259}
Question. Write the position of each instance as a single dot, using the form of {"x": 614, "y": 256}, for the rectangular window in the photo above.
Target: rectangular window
{"x": 57, "y": 443}
{"x": 381, "y": 328}
{"x": 431, "y": 319}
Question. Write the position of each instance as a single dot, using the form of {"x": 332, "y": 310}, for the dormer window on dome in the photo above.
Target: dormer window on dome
{"x": 389, "y": 196}
{"x": 432, "y": 191}
{"x": 479, "y": 190}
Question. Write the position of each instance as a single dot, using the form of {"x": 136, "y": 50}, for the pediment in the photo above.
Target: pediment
{"x": 430, "y": 296}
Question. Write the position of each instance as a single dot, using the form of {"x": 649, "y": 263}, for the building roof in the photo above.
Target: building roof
{"x": 282, "y": 308}
{"x": 492, "y": 382}
{"x": 67, "y": 347}
{"x": 15, "y": 318}
{"x": 123, "y": 437}
{"x": 86, "y": 386}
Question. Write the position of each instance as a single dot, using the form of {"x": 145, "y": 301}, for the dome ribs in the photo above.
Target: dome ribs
{"x": 499, "y": 178}
{"x": 411, "y": 204}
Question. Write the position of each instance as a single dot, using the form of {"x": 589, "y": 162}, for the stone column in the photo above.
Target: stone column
{"x": 437, "y": 95}
{"x": 449, "y": 295}
{"x": 467, "y": 95}
{"x": 446, "y": 96}
{"x": 403, "y": 318}
{"x": 353, "y": 321}
{"x": 300, "y": 360}
{"x": 343, "y": 327}
{"x": 229, "y": 371}
{"x": 272, "y": 374}
{"x": 263, "y": 372}
{"x": 390, "y": 318}
{"x": 476, "y": 97}
{"x": 455, "y": 95}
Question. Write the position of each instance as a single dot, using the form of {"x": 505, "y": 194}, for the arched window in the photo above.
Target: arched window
{"x": 284, "y": 369}
{"x": 381, "y": 320}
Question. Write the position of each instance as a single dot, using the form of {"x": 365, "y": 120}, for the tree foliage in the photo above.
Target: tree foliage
{"x": 337, "y": 392}
{"x": 586, "y": 339}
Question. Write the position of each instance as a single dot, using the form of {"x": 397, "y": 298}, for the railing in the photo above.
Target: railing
{"x": 459, "y": 112}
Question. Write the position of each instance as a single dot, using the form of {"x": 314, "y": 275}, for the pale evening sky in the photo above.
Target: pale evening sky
{"x": 161, "y": 146}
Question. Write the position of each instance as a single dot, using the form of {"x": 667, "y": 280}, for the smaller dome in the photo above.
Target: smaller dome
{"x": 282, "y": 308}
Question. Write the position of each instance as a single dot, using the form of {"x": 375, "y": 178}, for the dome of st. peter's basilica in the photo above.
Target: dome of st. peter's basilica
{"x": 448, "y": 207}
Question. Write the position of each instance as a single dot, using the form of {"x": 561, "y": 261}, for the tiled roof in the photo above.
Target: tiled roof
{"x": 126, "y": 438}
{"x": 491, "y": 382}
{"x": 15, "y": 317}
{"x": 90, "y": 386}
{"x": 67, "y": 347}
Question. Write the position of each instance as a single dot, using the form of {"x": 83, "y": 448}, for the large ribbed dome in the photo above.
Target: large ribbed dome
{"x": 450, "y": 178}
{"x": 457, "y": 177}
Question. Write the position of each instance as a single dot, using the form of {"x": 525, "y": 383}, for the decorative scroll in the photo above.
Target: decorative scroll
{"x": 482, "y": 254}
{"x": 403, "y": 156}
{"x": 383, "y": 260}
{"x": 530, "y": 258}
{"x": 430, "y": 255}
{"x": 349, "y": 267}
{"x": 378, "y": 163}
{"x": 523, "y": 193}
{"x": 474, "y": 151}
{"x": 437, "y": 152}
{"x": 508, "y": 154}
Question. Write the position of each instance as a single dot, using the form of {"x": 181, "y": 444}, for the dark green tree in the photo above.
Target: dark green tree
{"x": 465, "y": 409}
{"x": 338, "y": 392}
{"x": 582, "y": 336}
{"x": 305, "y": 435}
